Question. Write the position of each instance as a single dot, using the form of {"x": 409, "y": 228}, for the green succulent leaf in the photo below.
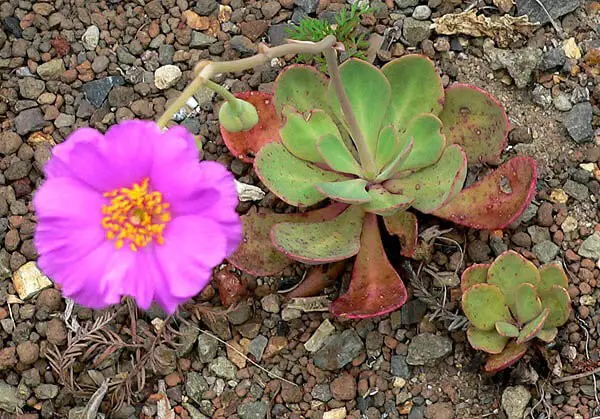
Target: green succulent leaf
{"x": 324, "y": 242}
{"x": 369, "y": 94}
{"x": 405, "y": 146}
{"x": 300, "y": 136}
{"x": 484, "y": 305}
{"x": 337, "y": 156}
{"x": 475, "y": 120}
{"x": 552, "y": 274}
{"x": 532, "y": 328}
{"x": 527, "y": 303}
{"x": 557, "y": 300}
{"x": 291, "y": 179}
{"x": 509, "y": 271}
{"x": 416, "y": 89}
{"x": 387, "y": 146}
{"x": 302, "y": 87}
{"x": 426, "y": 130}
{"x": 547, "y": 334}
{"x": 486, "y": 340}
{"x": 432, "y": 187}
{"x": 348, "y": 191}
{"x": 507, "y": 329}
{"x": 474, "y": 274}
{"x": 511, "y": 354}
{"x": 385, "y": 203}
{"x": 403, "y": 224}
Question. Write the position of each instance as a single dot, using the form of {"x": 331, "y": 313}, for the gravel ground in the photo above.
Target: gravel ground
{"x": 65, "y": 64}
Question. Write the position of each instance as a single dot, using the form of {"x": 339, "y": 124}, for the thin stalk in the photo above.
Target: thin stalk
{"x": 224, "y": 93}
{"x": 357, "y": 136}
{"x": 205, "y": 70}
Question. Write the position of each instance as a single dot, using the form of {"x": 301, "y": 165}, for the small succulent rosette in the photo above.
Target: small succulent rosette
{"x": 509, "y": 303}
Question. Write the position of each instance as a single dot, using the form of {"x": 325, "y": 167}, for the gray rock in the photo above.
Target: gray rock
{"x": 242, "y": 313}
{"x": 165, "y": 54}
{"x": 412, "y": 312}
{"x": 270, "y": 303}
{"x": 553, "y": 58}
{"x": 167, "y": 360}
{"x": 576, "y": 190}
{"x": 580, "y": 94}
{"x": 207, "y": 348}
{"x": 3, "y": 38}
{"x": 403, "y": 4}
{"x": 529, "y": 213}
{"x": 200, "y": 40}
{"x": 427, "y": 347}
{"x": 100, "y": 63}
{"x": 253, "y": 410}
{"x": 121, "y": 96}
{"x": 9, "y": 402}
{"x": 17, "y": 170}
{"x": 90, "y": 38}
{"x": 536, "y": 13}
{"x": 29, "y": 120}
{"x": 498, "y": 246}
{"x": 416, "y": 31}
{"x": 321, "y": 392}
{"x": 541, "y": 96}
{"x": 64, "y": 120}
{"x": 399, "y": 367}
{"x": 520, "y": 63}
{"x": 422, "y": 12}
{"x": 31, "y": 88}
{"x": 9, "y": 142}
{"x": 545, "y": 251}
{"x": 124, "y": 56}
{"x": 339, "y": 351}
{"x": 277, "y": 33}
{"x": 223, "y": 368}
{"x": 578, "y": 122}
{"x": 309, "y": 6}
{"x": 417, "y": 412}
{"x": 205, "y": 7}
{"x": 195, "y": 386}
{"x": 590, "y": 248}
{"x": 13, "y": 26}
{"x": 97, "y": 91}
{"x": 187, "y": 340}
{"x": 515, "y": 401}
{"x": 242, "y": 45}
{"x": 538, "y": 234}
{"x": 562, "y": 103}
{"x": 194, "y": 413}
{"x": 51, "y": 70}
{"x": 46, "y": 391}
{"x": 257, "y": 347}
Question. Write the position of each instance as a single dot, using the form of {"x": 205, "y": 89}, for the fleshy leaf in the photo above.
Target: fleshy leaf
{"x": 324, "y": 242}
{"x": 291, "y": 179}
{"x": 387, "y": 146}
{"x": 337, "y": 156}
{"x": 527, "y": 303}
{"x": 244, "y": 145}
{"x": 416, "y": 89}
{"x": 243, "y": 116}
{"x": 488, "y": 341}
{"x": 477, "y": 121}
{"x": 404, "y": 225}
{"x": 385, "y": 203}
{"x": 432, "y": 186}
{"x": 302, "y": 87}
{"x": 484, "y": 305}
{"x": 256, "y": 254}
{"x": 369, "y": 94}
{"x": 300, "y": 136}
{"x": 552, "y": 274}
{"x": 507, "y": 329}
{"x": 426, "y": 130}
{"x": 509, "y": 271}
{"x": 474, "y": 274}
{"x": 558, "y": 301}
{"x": 547, "y": 334}
{"x": 404, "y": 148}
{"x": 348, "y": 191}
{"x": 495, "y": 201}
{"x": 375, "y": 288}
{"x": 508, "y": 357}
{"x": 532, "y": 328}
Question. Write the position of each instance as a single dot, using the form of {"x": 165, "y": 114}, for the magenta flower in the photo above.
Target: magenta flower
{"x": 133, "y": 212}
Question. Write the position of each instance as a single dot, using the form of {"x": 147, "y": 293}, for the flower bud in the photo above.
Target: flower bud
{"x": 242, "y": 117}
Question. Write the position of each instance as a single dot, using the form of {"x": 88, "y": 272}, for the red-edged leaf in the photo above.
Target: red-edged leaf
{"x": 256, "y": 254}
{"x": 375, "y": 288}
{"x": 245, "y": 144}
{"x": 404, "y": 225}
{"x": 497, "y": 200}
{"x": 509, "y": 356}
{"x": 474, "y": 274}
{"x": 319, "y": 278}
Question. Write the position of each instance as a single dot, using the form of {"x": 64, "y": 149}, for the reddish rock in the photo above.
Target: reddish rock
{"x": 7, "y": 358}
{"x": 254, "y": 29}
{"x": 343, "y": 388}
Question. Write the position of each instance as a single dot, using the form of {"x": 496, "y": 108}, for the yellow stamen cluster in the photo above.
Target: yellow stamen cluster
{"x": 135, "y": 216}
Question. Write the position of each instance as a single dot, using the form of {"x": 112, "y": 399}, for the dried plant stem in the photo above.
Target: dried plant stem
{"x": 576, "y": 376}
{"x": 357, "y": 136}
{"x": 205, "y": 70}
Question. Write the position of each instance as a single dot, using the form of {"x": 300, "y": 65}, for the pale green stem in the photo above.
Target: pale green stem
{"x": 206, "y": 69}
{"x": 224, "y": 93}
{"x": 366, "y": 159}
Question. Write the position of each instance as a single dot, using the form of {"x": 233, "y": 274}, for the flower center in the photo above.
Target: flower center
{"x": 135, "y": 216}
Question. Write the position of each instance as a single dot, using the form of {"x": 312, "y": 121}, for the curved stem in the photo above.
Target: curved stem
{"x": 206, "y": 69}
{"x": 357, "y": 136}
{"x": 223, "y": 92}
